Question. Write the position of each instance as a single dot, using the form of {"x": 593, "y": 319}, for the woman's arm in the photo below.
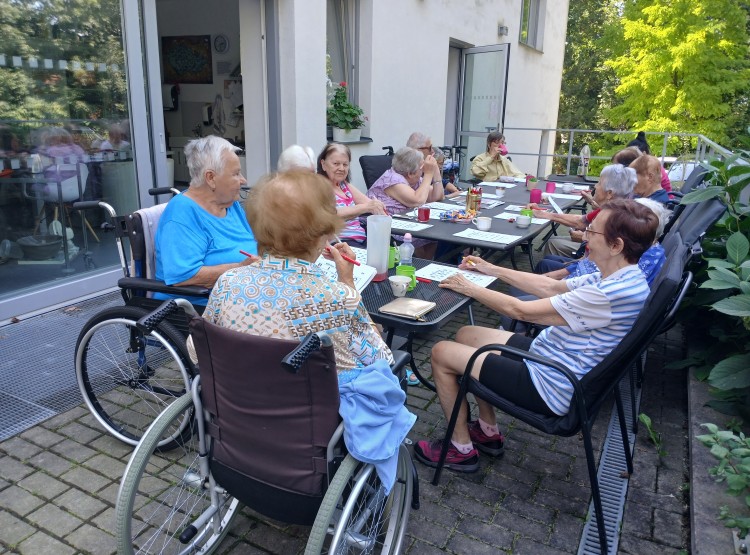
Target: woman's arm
{"x": 538, "y": 311}
{"x": 537, "y": 285}
{"x": 408, "y": 196}
{"x": 362, "y": 205}
{"x": 571, "y": 220}
{"x": 480, "y": 165}
{"x": 206, "y": 276}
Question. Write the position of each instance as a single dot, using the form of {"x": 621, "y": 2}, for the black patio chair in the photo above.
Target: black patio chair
{"x": 373, "y": 166}
{"x": 592, "y": 390}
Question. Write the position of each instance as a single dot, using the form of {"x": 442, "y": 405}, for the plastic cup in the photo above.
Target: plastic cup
{"x": 550, "y": 187}
{"x": 535, "y": 196}
{"x": 423, "y": 214}
{"x": 523, "y": 221}
{"x": 392, "y": 257}
{"x": 406, "y": 270}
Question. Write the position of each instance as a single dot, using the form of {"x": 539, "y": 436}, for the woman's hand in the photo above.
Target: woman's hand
{"x": 249, "y": 260}
{"x": 476, "y": 264}
{"x": 459, "y": 284}
{"x": 495, "y": 150}
{"x": 344, "y": 268}
{"x": 540, "y": 213}
{"x": 576, "y": 235}
{"x": 590, "y": 199}
{"x": 374, "y": 206}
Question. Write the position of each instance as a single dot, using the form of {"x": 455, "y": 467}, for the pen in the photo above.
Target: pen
{"x": 246, "y": 253}
{"x": 470, "y": 262}
{"x": 345, "y": 257}
{"x": 423, "y": 280}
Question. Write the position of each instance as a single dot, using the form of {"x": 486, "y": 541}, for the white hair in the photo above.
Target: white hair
{"x": 207, "y": 153}
{"x": 661, "y": 211}
{"x": 417, "y": 140}
{"x": 296, "y": 157}
{"x": 619, "y": 179}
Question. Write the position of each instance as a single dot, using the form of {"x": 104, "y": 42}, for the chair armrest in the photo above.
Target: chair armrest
{"x": 401, "y": 359}
{"x": 160, "y": 287}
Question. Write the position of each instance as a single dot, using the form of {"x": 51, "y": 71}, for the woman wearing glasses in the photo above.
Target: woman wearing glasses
{"x": 202, "y": 231}
{"x": 492, "y": 164}
{"x": 587, "y": 317}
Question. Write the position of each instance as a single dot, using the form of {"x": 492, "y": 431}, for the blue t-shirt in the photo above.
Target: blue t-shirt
{"x": 659, "y": 196}
{"x": 189, "y": 237}
{"x": 650, "y": 263}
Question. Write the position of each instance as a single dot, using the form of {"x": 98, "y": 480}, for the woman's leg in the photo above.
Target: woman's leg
{"x": 478, "y": 336}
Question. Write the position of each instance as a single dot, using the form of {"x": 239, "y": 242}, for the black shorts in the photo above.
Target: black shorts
{"x": 508, "y": 375}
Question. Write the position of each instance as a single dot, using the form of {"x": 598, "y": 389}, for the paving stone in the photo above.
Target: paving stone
{"x": 19, "y": 448}
{"x": 632, "y": 545}
{"x": 526, "y": 546}
{"x": 465, "y": 544}
{"x": 73, "y": 450}
{"x": 79, "y": 432}
{"x": 55, "y": 520}
{"x": 64, "y": 418}
{"x": 526, "y": 509}
{"x": 44, "y": 543}
{"x": 274, "y": 541}
{"x": 523, "y": 526}
{"x": 43, "y": 485}
{"x": 14, "y": 530}
{"x": 85, "y": 479}
{"x": 19, "y": 500}
{"x": 668, "y": 527}
{"x": 109, "y": 494}
{"x": 500, "y": 538}
{"x": 88, "y": 539}
{"x": 422, "y": 548}
{"x": 105, "y": 520}
{"x": 568, "y": 505}
{"x": 428, "y": 531}
{"x": 242, "y": 548}
{"x": 80, "y": 504}
{"x": 51, "y": 463}
{"x": 113, "y": 447}
{"x": 41, "y": 437}
{"x": 566, "y": 532}
{"x": 439, "y": 513}
{"x": 103, "y": 464}
{"x": 13, "y": 470}
{"x": 473, "y": 508}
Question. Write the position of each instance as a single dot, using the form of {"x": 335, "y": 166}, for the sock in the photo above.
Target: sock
{"x": 489, "y": 430}
{"x": 463, "y": 448}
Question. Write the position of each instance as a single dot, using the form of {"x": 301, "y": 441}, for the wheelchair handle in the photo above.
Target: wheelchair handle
{"x": 309, "y": 344}
{"x": 153, "y": 319}
{"x": 86, "y": 204}
{"x": 163, "y": 191}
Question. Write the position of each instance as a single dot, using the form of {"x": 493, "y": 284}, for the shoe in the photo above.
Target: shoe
{"x": 411, "y": 378}
{"x": 490, "y": 445}
{"x": 428, "y": 452}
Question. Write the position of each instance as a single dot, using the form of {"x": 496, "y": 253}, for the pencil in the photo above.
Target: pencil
{"x": 347, "y": 258}
{"x": 246, "y": 253}
{"x": 423, "y": 280}
{"x": 470, "y": 262}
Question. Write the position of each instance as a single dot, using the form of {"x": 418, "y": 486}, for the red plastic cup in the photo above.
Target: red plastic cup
{"x": 423, "y": 214}
{"x": 550, "y": 187}
{"x": 535, "y": 196}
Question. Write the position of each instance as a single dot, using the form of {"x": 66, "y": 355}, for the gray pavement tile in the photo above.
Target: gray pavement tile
{"x": 103, "y": 464}
{"x": 13, "y": 470}
{"x": 19, "y": 501}
{"x": 43, "y": 485}
{"x": 14, "y": 530}
{"x": 106, "y": 520}
{"x": 639, "y": 521}
{"x": 504, "y": 485}
{"x": 44, "y": 543}
{"x": 471, "y": 507}
{"x": 668, "y": 527}
{"x": 440, "y": 514}
{"x": 524, "y": 508}
{"x": 109, "y": 494}
{"x": 51, "y": 463}
{"x": 54, "y": 520}
{"x": 273, "y": 540}
{"x": 526, "y": 546}
{"x": 41, "y": 437}
{"x": 632, "y": 545}
{"x": 85, "y": 479}
{"x": 500, "y": 538}
{"x": 428, "y": 531}
{"x": 80, "y": 504}
{"x": 19, "y": 448}
{"x": 570, "y": 505}
{"x": 460, "y": 543}
{"x": 241, "y": 548}
{"x": 80, "y": 433}
{"x": 71, "y": 449}
{"x": 523, "y": 526}
{"x": 566, "y": 532}
{"x": 88, "y": 539}
{"x": 65, "y": 417}
{"x": 113, "y": 447}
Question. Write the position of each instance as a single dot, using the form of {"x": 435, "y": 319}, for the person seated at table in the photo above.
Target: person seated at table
{"x": 333, "y": 163}
{"x": 412, "y": 181}
{"x": 587, "y": 318}
{"x": 615, "y": 181}
{"x": 492, "y": 164}
{"x": 449, "y": 189}
{"x": 629, "y": 154}
{"x": 286, "y": 295}
{"x": 202, "y": 231}
{"x": 648, "y": 170}
{"x": 116, "y": 139}
{"x": 296, "y": 157}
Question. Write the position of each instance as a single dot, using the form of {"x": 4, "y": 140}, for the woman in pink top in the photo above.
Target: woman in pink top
{"x": 333, "y": 163}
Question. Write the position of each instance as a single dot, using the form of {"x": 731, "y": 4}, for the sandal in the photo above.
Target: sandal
{"x": 411, "y": 378}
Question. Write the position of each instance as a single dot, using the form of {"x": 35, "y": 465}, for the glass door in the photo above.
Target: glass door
{"x": 484, "y": 72}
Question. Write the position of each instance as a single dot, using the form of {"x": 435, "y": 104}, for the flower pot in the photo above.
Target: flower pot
{"x": 346, "y": 136}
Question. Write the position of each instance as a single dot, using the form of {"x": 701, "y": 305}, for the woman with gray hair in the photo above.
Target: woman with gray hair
{"x": 203, "y": 231}
{"x": 412, "y": 181}
{"x": 296, "y": 157}
{"x": 615, "y": 181}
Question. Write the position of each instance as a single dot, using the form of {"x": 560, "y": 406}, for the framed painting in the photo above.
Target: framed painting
{"x": 187, "y": 60}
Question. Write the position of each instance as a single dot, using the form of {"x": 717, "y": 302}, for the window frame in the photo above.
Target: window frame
{"x": 531, "y": 29}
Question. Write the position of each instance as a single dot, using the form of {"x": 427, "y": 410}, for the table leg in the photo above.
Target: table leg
{"x": 420, "y": 377}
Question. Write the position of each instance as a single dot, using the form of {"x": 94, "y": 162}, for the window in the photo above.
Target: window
{"x": 532, "y": 23}
{"x": 343, "y": 45}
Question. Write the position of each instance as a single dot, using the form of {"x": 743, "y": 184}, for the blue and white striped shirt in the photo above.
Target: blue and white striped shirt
{"x": 599, "y": 313}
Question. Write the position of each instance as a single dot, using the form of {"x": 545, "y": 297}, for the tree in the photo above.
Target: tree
{"x": 682, "y": 65}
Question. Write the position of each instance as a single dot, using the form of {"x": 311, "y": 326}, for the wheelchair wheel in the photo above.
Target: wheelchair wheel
{"x": 357, "y": 517}
{"x": 168, "y": 502}
{"x": 127, "y": 378}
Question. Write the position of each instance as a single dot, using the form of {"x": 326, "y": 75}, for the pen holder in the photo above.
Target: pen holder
{"x": 409, "y": 271}
{"x": 392, "y": 257}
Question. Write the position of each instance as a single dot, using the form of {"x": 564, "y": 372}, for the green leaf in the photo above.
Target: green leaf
{"x": 713, "y": 428}
{"x": 737, "y": 305}
{"x": 720, "y": 263}
{"x": 701, "y": 195}
{"x": 731, "y": 373}
{"x": 737, "y": 248}
{"x": 745, "y": 287}
{"x": 736, "y": 483}
{"x": 719, "y": 451}
{"x": 719, "y": 284}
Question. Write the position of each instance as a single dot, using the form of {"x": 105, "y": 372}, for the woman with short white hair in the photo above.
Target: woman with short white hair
{"x": 296, "y": 157}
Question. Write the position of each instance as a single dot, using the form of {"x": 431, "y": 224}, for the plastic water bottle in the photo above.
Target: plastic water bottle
{"x": 406, "y": 250}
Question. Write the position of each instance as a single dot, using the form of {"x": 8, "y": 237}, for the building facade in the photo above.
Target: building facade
{"x": 98, "y": 104}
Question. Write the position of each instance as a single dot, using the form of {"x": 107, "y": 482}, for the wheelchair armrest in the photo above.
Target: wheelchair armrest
{"x": 401, "y": 359}
{"x": 160, "y": 287}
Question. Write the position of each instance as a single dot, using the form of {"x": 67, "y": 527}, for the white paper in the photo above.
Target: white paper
{"x": 487, "y": 236}
{"x": 554, "y": 205}
{"x": 406, "y": 225}
{"x": 363, "y": 273}
{"x": 509, "y": 215}
{"x": 438, "y": 272}
{"x": 484, "y": 195}
{"x": 514, "y": 207}
{"x": 561, "y": 195}
{"x": 439, "y": 206}
{"x": 581, "y": 187}
{"x": 500, "y": 184}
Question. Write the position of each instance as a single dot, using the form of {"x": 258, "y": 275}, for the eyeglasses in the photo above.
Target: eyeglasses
{"x": 428, "y": 147}
{"x": 589, "y": 230}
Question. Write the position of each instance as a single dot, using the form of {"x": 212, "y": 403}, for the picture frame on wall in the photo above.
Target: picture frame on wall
{"x": 187, "y": 60}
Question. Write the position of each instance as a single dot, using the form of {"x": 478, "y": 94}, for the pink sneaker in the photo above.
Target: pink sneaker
{"x": 428, "y": 452}
{"x": 490, "y": 445}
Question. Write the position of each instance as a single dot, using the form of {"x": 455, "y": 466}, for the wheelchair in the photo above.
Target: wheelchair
{"x": 127, "y": 375}
{"x": 251, "y": 391}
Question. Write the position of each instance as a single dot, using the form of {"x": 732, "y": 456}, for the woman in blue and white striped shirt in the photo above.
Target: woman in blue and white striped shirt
{"x": 587, "y": 317}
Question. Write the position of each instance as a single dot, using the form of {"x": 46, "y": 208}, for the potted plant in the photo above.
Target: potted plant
{"x": 345, "y": 118}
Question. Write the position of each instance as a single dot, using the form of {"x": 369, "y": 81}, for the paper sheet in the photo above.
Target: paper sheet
{"x": 501, "y": 183}
{"x": 514, "y": 207}
{"x": 438, "y": 272}
{"x": 363, "y": 273}
{"x": 510, "y": 215}
{"x": 487, "y": 236}
{"x": 562, "y": 195}
{"x": 407, "y": 225}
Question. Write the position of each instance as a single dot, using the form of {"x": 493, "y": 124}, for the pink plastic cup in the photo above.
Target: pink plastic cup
{"x": 535, "y": 196}
{"x": 550, "y": 187}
